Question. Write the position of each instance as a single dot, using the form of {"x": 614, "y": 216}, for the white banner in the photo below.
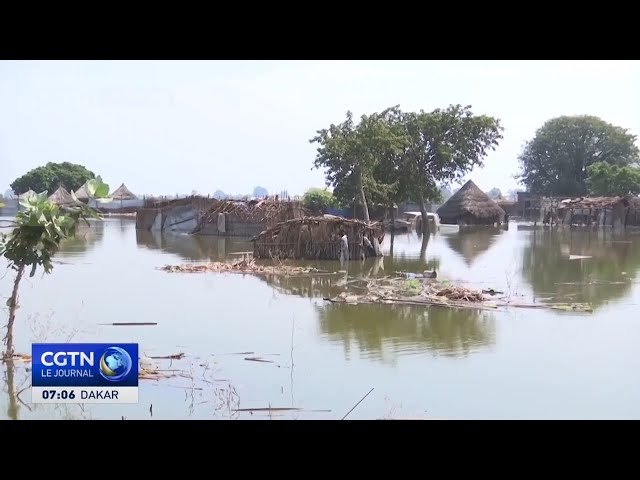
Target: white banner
{"x": 84, "y": 394}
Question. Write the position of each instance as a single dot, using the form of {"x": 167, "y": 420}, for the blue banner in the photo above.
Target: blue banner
{"x": 85, "y": 364}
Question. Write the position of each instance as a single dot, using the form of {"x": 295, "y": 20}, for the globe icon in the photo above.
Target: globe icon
{"x": 115, "y": 364}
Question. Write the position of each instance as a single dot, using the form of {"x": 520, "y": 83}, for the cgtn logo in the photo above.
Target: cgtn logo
{"x": 84, "y": 373}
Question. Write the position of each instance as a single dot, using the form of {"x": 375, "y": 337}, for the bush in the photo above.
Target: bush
{"x": 319, "y": 200}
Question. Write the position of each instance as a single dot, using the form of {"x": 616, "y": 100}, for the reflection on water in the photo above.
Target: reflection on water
{"x": 525, "y": 363}
{"x": 471, "y": 242}
{"x": 87, "y": 237}
{"x": 613, "y": 263}
{"x": 193, "y": 248}
{"x": 379, "y": 330}
{"x": 10, "y": 389}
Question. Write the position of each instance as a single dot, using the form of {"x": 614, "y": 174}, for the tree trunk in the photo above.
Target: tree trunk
{"x": 363, "y": 198}
{"x": 12, "y": 409}
{"x": 425, "y": 217}
{"x": 423, "y": 247}
{"x": 13, "y": 306}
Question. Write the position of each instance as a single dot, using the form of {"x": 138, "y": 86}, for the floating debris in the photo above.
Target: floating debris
{"x": 145, "y": 374}
{"x": 276, "y": 409}
{"x": 129, "y": 324}
{"x": 175, "y": 356}
{"x": 579, "y": 257}
{"x": 20, "y": 357}
{"x": 258, "y": 359}
{"x": 244, "y": 266}
{"x": 429, "y": 293}
{"x": 414, "y": 292}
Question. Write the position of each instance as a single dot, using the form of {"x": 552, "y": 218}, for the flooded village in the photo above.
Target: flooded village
{"x": 440, "y": 295}
{"x": 403, "y": 288}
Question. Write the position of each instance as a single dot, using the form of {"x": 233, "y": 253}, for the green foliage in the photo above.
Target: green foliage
{"x": 396, "y": 156}
{"x": 610, "y": 180}
{"x": 97, "y": 189}
{"x": 39, "y": 231}
{"x": 411, "y": 287}
{"x": 360, "y": 156}
{"x": 556, "y": 161}
{"x": 318, "y": 200}
{"x": 442, "y": 146}
{"x": 50, "y": 176}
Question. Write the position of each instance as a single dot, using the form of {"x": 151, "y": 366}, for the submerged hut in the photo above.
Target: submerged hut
{"x": 61, "y": 197}
{"x": 590, "y": 211}
{"x": 470, "y": 206}
{"x": 319, "y": 238}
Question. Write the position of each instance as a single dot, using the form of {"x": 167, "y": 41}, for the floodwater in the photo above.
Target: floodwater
{"x": 322, "y": 358}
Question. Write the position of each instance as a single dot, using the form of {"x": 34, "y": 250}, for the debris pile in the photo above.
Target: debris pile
{"x": 415, "y": 292}
{"x": 244, "y": 266}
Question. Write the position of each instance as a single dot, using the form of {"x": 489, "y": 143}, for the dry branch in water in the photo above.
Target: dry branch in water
{"x": 175, "y": 356}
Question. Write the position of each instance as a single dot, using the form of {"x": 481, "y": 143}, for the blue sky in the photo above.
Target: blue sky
{"x": 166, "y": 127}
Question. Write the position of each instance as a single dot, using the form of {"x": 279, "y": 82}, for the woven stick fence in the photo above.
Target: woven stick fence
{"x": 317, "y": 238}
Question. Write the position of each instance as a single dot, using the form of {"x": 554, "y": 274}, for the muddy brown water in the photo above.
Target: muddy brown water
{"x": 321, "y": 358}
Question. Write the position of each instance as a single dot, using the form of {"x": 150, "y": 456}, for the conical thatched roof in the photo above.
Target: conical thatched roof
{"x": 470, "y": 200}
{"x": 123, "y": 193}
{"x": 82, "y": 193}
{"x": 28, "y": 193}
{"x": 61, "y": 197}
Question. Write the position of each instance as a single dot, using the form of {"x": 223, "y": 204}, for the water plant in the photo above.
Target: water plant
{"x": 38, "y": 231}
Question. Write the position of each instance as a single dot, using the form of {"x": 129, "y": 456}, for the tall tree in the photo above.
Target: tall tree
{"x": 442, "y": 146}
{"x": 52, "y": 175}
{"x": 355, "y": 156}
{"x": 556, "y": 160}
{"x": 611, "y": 180}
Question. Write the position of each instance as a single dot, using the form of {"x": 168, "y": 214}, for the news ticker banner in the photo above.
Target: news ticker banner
{"x": 84, "y": 373}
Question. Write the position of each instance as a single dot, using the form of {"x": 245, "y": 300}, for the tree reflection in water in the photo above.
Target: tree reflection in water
{"x": 16, "y": 377}
{"x": 614, "y": 257}
{"x": 381, "y": 329}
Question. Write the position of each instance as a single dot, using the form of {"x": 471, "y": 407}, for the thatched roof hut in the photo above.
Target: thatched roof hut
{"x": 61, "y": 197}
{"x": 123, "y": 193}
{"x": 470, "y": 206}
{"x": 318, "y": 238}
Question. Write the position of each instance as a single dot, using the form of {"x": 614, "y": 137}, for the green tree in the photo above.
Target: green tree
{"x": 318, "y": 200}
{"x": 610, "y": 180}
{"x": 556, "y": 160}
{"x": 442, "y": 146}
{"x": 356, "y": 156}
{"x": 52, "y": 175}
{"x": 36, "y": 238}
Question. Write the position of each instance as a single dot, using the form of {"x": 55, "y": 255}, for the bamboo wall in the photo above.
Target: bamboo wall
{"x": 310, "y": 239}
